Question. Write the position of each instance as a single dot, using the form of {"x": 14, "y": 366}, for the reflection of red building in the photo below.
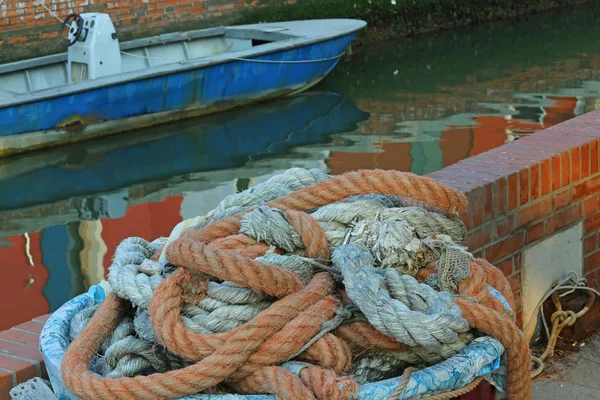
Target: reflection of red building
{"x": 478, "y": 134}
{"x": 391, "y": 156}
{"x": 22, "y": 286}
{"x": 22, "y": 281}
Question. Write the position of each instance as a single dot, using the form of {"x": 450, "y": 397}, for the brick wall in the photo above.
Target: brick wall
{"x": 524, "y": 192}
{"x": 28, "y": 30}
{"x": 20, "y": 358}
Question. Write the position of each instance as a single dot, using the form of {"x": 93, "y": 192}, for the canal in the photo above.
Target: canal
{"x": 414, "y": 105}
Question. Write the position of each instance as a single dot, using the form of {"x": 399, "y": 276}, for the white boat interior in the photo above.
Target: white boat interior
{"x": 100, "y": 54}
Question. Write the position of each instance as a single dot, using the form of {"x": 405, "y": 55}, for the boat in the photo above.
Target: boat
{"x": 87, "y": 182}
{"x": 101, "y": 87}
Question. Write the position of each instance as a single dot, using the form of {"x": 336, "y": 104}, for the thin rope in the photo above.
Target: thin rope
{"x": 405, "y": 379}
{"x": 52, "y": 14}
{"x": 253, "y": 60}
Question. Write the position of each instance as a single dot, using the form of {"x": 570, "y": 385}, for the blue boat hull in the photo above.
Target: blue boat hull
{"x": 219, "y": 142}
{"x": 159, "y": 99}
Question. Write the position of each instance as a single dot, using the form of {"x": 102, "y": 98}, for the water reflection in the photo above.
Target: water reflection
{"x": 456, "y": 94}
{"x": 414, "y": 105}
{"x": 80, "y": 202}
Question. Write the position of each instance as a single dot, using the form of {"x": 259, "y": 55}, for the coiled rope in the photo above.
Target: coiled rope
{"x": 273, "y": 304}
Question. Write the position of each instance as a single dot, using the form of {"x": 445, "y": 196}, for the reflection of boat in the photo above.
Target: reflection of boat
{"x": 100, "y": 87}
{"x": 212, "y": 146}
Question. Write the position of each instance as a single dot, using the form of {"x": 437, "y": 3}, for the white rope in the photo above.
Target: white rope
{"x": 398, "y": 305}
{"x": 277, "y": 186}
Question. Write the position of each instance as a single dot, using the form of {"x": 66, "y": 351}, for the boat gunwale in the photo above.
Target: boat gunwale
{"x": 140, "y": 43}
{"x": 295, "y": 41}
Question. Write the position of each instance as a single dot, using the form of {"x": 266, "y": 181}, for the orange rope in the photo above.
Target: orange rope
{"x": 245, "y": 357}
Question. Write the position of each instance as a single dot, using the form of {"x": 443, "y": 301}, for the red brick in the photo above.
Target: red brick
{"x": 466, "y": 219}
{"x": 23, "y": 369}
{"x": 590, "y": 244}
{"x": 196, "y": 11}
{"x": 575, "y": 164}
{"x": 593, "y": 156}
{"x": 517, "y": 262}
{"x": 19, "y": 39}
{"x": 591, "y": 262}
{"x": 479, "y": 254}
{"x": 19, "y": 350}
{"x": 157, "y": 11}
{"x": 562, "y": 199}
{"x": 30, "y": 326}
{"x": 513, "y": 191}
{"x": 555, "y": 172}
{"x": 534, "y": 212}
{"x": 506, "y": 267}
{"x": 42, "y": 318}
{"x": 489, "y": 168}
{"x": 479, "y": 238}
{"x": 535, "y": 233}
{"x": 565, "y": 161}
{"x": 465, "y": 176}
{"x": 591, "y": 223}
{"x": 592, "y": 279}
{"x": 586, "y": 188}
{"x": 546, "y": 178}
{"x": 503, "y": 227}
{"x": 502, "y": 249}
{"x": 518, "y": 301}
{"x": 562, "y": 219}
{"x": 515, "y": 282}
{"x": 488, "y": 202}
{"x": 589, "y": 206}
{"x": 523, "y": 187}
{"x": 476, "y": 204}
{"x": 535, "y": 181}
{"x": 501, "y": 195}
{"x": 6, "y": 383}
{"x": 21, "y": 337}
{"x": 585, "y": 160}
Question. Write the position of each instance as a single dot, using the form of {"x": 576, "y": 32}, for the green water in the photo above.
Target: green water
{"x": 416, "y": 105}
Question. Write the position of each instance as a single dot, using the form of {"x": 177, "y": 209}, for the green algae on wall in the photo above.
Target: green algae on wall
{"x": 396, "y": 18}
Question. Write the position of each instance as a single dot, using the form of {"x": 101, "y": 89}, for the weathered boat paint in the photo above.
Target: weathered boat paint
{"x": 166, "y": 95}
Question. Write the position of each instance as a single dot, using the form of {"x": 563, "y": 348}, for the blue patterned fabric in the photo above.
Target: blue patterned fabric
{"x": 499, "y": 296}
{"x": 482, "y": 357}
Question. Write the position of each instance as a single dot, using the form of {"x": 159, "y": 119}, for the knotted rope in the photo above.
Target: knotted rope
{"x": 219, "y": 271}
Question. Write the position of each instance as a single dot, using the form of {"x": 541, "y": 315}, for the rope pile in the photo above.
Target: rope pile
{"x": 303, "y": 287}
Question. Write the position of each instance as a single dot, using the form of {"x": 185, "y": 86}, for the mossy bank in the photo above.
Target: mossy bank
{"x": 388, "y": 19}
{"x": 36, "y": 33}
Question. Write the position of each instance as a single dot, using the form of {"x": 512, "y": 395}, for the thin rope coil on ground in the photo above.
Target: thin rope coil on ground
{"x": 300, "y": 325}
